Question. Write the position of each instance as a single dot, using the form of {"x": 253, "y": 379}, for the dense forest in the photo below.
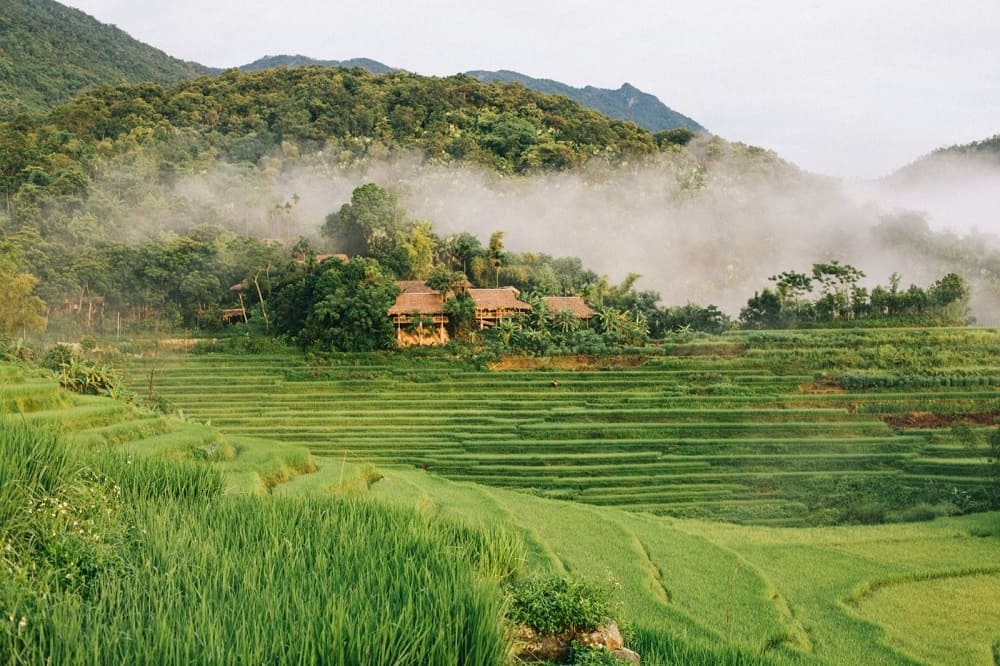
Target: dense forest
{"x": 50, "y": 52}
{"x": 82, "y": 185}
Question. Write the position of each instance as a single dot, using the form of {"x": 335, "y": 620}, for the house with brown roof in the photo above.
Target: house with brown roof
{"x": 418, "y": 314}
{"x": 493, "y": 305}
{"x": 572, "y": 304}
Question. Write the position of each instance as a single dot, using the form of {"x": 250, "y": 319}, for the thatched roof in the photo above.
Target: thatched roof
{"x": 504, "y": 298}
{"x": 414, "y": 287}
{"x": 425, "y": 303}
{"x": 573, "y": 304}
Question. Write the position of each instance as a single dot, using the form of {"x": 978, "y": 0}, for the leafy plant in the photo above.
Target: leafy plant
{"x": 90, "y": 378}
{"x": 582, "y": 655}
{"x": 553, "y": 605}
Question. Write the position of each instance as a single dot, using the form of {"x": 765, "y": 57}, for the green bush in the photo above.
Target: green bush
{"x": 582, "y": 655}
{"x": 554, "y": 605}
{"x": 57, "y": 357}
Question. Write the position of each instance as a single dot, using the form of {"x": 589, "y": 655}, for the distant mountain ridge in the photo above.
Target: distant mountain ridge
{"x": 49, "y": 52}
{"x": 626, "y": 103}
{"x": 267, "y": 62}
{"x": 964, "y": 158}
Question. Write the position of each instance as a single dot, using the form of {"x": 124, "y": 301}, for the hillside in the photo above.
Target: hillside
{"x": 626, "y": 103}
{"x": 49, "y": 52}
{"x": 986, "y": 147}
{"x": 267, "y": 62}
{"x": 963, "y": 161}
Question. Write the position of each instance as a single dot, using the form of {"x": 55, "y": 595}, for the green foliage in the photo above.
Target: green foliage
{"x": 553, "y": 605}
{"x": 54, "y": 524}
{"x": 51, "y": 52}
{"x": 338, "y": 306}
{"x": 581, "y": 655}
{"x": 91, "y": 378}
{"x": 57, "y": 357}
{"x": 20, "y": 308}
{"x": 368, "y": 225}
{"x": 626, "y": 103}
{"x": 840, "y": 299}
{"x": 140, "y": 560}
{"x": 687, "y": 319}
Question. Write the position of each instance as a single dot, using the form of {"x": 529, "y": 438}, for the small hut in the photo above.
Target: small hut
{"x": 572, "y": 304}
{"x": 419, "y": 316}
{"x": 493, "y": 305}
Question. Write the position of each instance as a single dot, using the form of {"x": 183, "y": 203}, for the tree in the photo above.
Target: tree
{"x": 791, "y": 285}
{"x": 368, "y": 225}
{"x": 348, "y": 305}
{"x": 950, "y": 295}
{"x": 20, "y": 309}
{"x": 836, "y": 280}
{"x": 496, "y": 253}
{"x": 460, "y": 249}
{"x": 419, "y": 244}
{"x": 763, "y": 310}
{"x": 446, "y": 281}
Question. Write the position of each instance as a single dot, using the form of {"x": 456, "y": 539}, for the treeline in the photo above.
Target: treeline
{"x": 830, "y": 293}
{"x": 340, "y": 302}
{"x": 241, "y": 118}
{"x": 188, "y": 280}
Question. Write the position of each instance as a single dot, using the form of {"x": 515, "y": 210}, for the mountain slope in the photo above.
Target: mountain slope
{"x": 267, "y": 62}
{"x": 626, "y": 103}
{"x": 49, "y": 52}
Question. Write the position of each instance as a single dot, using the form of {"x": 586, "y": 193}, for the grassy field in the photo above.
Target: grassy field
{"x": 781, "y": 428}
{"x": 306, "y": 457}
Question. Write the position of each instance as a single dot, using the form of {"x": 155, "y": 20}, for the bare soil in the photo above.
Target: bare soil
{"x": 926, "y": 420}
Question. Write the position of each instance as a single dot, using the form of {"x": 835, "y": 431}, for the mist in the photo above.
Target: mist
{"x": 696, "y": 230}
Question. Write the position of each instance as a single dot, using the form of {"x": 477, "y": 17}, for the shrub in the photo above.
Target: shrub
{"x": 554, "y": 605}
{"x": 57, "y": 357}
{"x": 582, "y": 655}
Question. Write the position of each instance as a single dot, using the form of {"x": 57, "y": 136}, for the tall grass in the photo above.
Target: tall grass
{"x": 267, "y": 580}
{"x": 33, "y": 464}
{"x": 178, "y": 573}
{"x": 141, "y": 478}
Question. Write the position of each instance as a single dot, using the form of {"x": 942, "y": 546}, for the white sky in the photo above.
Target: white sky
{"x": 843, "y": 87}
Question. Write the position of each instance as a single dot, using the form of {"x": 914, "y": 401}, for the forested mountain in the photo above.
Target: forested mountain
{"x": 242, "y": 117}
{"x": 267, "y": 62}
{"x": 49, "y": 52}
{"x": 626, "y": 103}
{"x": 987, "y": 147}
{"x": 959, "y": 160}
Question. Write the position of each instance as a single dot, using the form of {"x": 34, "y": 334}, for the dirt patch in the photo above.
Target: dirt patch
{"x": 572, "y": 362}
{"x": 931, "y": 420}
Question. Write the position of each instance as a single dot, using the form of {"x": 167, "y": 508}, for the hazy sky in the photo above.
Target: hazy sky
{"x": 846, "y": 87}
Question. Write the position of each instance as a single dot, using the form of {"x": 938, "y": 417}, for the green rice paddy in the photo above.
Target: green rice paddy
{"x": 659, "y": 459}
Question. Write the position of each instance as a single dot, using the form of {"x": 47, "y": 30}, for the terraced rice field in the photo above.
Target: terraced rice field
{"x": 695, "y": 591}
{"x": 753, "y": 433}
